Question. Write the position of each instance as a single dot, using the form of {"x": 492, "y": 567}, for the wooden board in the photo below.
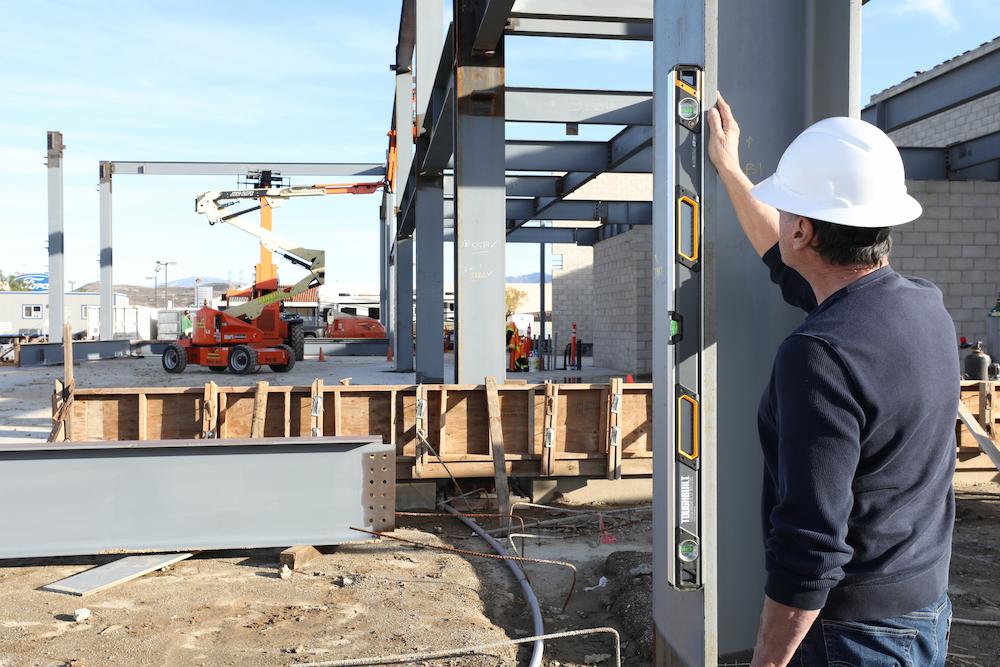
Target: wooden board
{"x": 116, "y": 572}
{"x": 298, "y": 556}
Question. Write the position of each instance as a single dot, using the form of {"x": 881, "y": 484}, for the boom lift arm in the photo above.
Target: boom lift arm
{"x": 309, "y": 258}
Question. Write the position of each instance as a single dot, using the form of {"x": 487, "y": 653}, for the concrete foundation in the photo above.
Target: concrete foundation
{"x": 573, "y": 490}
{"x": 416, "y": 496}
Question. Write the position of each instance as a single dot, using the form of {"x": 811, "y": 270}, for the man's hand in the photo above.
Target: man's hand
{"x": 759, "y": 221}
{"x": 724, "y": 144}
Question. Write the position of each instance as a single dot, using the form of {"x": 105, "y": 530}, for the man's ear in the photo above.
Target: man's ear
{"x": 803, "y": 233}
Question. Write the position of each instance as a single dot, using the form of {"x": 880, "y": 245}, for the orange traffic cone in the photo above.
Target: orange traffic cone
{"x": 321, "y": 357}
{"x": 629, "y": 379}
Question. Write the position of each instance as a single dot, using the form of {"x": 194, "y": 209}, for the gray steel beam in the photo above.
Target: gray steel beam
{"x": 121, "y": 167}
{"x": 529, "y": 27}
{"x": 578, "y": 235}
{"x": 492, "y": 17}
{"x": 404, "y": 129}
{"x": 430, "y": 278}
{"x": 945, "y": 91}
{"x": 404, "y": 305}
{"x": 407, "y": 36}
{"x": 700, "y": 627}
{"x": 521, "y": 185}
{"x": 178, "y": 495}
{"x": 967, "y": 155}
{"x": 605, "y": 107}
{"x": 924, "y": 164}
{"x": 386, "y": 225}
{"x": 585, "y": 10}
{"x": 57, "y": 237}
{"x": 107, "y": 300}
{"x": 975, "y": 159}
{"x": 480, "y": 224}
{"x": 583, "y": 236}
{"x": 610, "y": 212}
{"x": 630, "y": 150}
{"x": 430, "y": 15}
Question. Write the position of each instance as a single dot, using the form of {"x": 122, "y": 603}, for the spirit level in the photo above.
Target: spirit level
{"x": 685, "y": 306}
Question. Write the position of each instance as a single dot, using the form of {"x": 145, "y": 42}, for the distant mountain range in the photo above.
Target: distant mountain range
{"x": 191, "y": 281}
{"x": 529, "y": 278}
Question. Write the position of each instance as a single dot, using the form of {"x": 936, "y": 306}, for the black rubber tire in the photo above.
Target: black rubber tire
{"x": 296, "y": 340}
{"x": 284, "y": 368}
{"x": 218, "y": 369}
{"x": 174, "y": 359}
{"x": 310, "y": 334}
{"x": 242, "y": 360}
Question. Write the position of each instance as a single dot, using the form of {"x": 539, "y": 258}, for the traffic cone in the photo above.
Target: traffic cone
{"x": 629, "y": 379}
{"x": 321, "y": 357}
{"x": 388, "y": 352}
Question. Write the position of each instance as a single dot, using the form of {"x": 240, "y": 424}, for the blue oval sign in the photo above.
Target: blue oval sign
{"x": 36, "y": 282}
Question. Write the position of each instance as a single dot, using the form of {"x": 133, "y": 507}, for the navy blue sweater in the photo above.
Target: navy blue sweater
{"x": 858, "y": 431}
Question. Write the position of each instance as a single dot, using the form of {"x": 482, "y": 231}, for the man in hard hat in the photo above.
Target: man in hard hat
{"x": 857, "y": 423}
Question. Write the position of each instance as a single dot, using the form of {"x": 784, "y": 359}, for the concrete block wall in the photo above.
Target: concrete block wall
{"x": 573, "y": 286}
{"x": 968, "y": 121}
{"x": 572, "y": 294}
{"x": 623, "y": 301}
{"x": 956, "y": 245}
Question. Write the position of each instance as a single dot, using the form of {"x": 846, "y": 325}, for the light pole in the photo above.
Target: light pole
{"x": 153, "y": 278}
{"x": 166, "y": 279}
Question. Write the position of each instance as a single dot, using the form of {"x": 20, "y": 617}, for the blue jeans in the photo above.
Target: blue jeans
{"x": 917, "y": 639}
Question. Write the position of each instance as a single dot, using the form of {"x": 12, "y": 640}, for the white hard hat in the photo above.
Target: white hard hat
{"x": 844, "y": 171}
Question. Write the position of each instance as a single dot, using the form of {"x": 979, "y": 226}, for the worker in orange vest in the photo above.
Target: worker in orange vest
{"x": 513, "y": 346}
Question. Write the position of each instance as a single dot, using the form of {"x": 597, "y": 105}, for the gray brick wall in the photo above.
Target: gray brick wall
{"x": 968, "y": 121}
{"x": 956, "y": 245}
{"x": 572, "y": 293}
{"x": 623, "y": 283}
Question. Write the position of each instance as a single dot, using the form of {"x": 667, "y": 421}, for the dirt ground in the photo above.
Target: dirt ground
{"x": 365, "y": 599}
{"x": 386, "y": 597}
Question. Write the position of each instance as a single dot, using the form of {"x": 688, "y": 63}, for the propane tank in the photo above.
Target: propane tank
{"x": 977, "y": 363}
{"x": 993, "y": 331}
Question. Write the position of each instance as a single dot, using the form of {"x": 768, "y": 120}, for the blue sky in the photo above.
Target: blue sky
{"x": 310, "y": 82}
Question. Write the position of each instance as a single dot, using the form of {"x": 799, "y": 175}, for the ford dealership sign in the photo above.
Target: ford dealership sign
{"x": 36, "y": 282}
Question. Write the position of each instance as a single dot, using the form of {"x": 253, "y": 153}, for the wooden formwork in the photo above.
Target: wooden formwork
{"x": 979, "y": 398}
{"x": 547, "y": 429}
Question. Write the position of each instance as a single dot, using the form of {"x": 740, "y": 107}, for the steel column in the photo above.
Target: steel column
{"x": 480, "y": 225}
{"x": 541, "y": 298}
{"x": 384, "y": 241}
{"x": 430, "y": 278}
{"x": 404, "y": 131}
{"x": 702, "y": 627}
{"x": 404, "y": 305}
{"x": 177, "y": 495}
{"x": 57, "y": 242}
{"x": 430, "y": 14}
{"x": 107, "y": 301}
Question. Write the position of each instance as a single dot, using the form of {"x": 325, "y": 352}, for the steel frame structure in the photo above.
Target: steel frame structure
{"x": 958, "y": 83}
{"x": 109, "y": 168}
{"x": 460, "y": 180}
